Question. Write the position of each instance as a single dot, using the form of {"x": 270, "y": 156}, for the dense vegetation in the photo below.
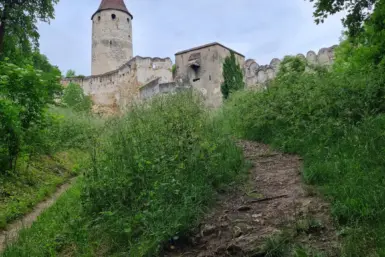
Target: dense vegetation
{"x": 335, "y": 119}
{"x": 42, "y": 139}
{"x": 166, "y": 157}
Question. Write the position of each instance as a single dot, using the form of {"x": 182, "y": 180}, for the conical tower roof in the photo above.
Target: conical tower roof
{"x": 113, "y": 5}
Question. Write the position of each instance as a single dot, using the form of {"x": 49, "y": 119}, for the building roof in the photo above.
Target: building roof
{"x": 208, "y": 45}
{"x": 113, "y": 5}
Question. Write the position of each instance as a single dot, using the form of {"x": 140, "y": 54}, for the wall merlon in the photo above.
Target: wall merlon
{"x": 257, "y": 74}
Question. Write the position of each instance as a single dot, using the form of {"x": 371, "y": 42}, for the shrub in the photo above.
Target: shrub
{"x": 155, "y": 171}
{"x": 24, "y": 95}
{"x": 75, "y": 98}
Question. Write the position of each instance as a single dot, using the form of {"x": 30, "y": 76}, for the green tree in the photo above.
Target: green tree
{"x": 232, "y": 75}
{"x": 75, "y": 98}
{"x": 25, "y": 93}
{"x": 18, "y": 20}
{"x": 366, "y": 51}
{"x": 70, "y": 74}
{"x": 358, "y": 12}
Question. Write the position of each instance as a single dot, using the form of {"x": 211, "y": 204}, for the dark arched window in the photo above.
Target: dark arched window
{"x": 113, "y": 16}
{"x": 128, "y": 20}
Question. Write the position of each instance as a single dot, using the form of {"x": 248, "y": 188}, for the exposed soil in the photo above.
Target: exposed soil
{"x": 274, "y": 200}
{"x": 11, "y": 233}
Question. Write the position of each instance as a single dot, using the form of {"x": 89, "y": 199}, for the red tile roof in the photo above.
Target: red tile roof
{"x": 113, "y": 5}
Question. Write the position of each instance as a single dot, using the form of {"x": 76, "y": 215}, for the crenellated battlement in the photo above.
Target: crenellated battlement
{"x": 257, "y": 75}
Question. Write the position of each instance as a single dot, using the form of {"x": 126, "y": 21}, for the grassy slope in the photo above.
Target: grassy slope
{"x": 335, "y": 122}
{"x": 119, "y": 207}
{"x": 58, "y": 229}
{"x": 31, "y": 183}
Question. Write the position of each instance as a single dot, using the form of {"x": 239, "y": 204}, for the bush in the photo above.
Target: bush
{"x": 24, "y": 95}
{"x": 75, "y": 98}
{"x": 155, "y": 171}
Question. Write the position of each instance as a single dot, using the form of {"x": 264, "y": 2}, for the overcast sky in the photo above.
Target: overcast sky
{"x": 260, "y": 29}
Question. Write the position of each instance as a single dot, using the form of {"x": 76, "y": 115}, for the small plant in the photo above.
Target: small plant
{"x": 300, "y": 251}
{"x": 173, "y": 70}
{"x": 308, "y": 225}
{"x": 277, "y": 245}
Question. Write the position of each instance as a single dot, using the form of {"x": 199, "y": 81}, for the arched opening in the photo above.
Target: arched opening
{"x": 113, "y": 16}
{"x": 128, "y": 20}
{"x": 99, "y": 18}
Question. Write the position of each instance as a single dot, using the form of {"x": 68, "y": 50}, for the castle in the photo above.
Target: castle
{"x": 119, "y": 79}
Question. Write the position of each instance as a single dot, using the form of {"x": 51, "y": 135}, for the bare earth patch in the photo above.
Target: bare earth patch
{"x": 10, "y": 234}
{"x": 273, "y": 201}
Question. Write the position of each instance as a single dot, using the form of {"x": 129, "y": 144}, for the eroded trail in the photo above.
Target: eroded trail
{"x": 274, "y": 200}
{"x": 12, "y": 231}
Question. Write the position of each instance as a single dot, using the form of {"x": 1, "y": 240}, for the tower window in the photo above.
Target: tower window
{"x": 98, "y": 18}
{"x": 113, "y": 16}
{"x": 128, "y": 20}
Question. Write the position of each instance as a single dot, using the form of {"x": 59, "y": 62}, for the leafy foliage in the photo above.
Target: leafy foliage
{"x": 70, "y": 74}
{"x": 24, "y": 95}
{"x": 18, "y": 20}
{"x": 173, "y": 70}
{"x": 232, "y": 76}
{"x": 358, "y": 12}
{"x": 75, "y": 98}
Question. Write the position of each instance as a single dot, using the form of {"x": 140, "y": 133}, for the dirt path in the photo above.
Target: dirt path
{"x": 11, "y": 233}
{"x": 274, "y": 201}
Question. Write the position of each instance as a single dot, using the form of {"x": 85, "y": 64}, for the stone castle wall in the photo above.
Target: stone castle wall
{"x": 114, "y": 91}
{"x": 256, "y": 75}
{"x": 142, "y": 77}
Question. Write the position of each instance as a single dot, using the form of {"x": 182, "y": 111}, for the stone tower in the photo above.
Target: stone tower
{"x": 111, "y": 36}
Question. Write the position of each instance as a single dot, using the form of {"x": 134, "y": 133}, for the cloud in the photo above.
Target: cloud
{"x": 259, "y": 29}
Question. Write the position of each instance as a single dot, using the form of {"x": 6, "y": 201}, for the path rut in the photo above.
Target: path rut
{"x": 10, "y": 234}
{"x": 273, "y": 200}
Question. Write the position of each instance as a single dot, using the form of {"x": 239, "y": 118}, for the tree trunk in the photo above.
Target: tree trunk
{"x": 3, "y": 18}
{"x": 2, "y": 34}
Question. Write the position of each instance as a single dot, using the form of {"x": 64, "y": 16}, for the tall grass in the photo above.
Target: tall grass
{"x": 155, "y": 171}
{"x": 335, "y": 121}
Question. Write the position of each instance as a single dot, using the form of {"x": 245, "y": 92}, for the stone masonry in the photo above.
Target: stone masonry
{"x": 118, "y": 79}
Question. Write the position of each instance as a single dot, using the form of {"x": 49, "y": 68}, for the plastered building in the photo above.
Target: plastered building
{"x": 119, "y": 79}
